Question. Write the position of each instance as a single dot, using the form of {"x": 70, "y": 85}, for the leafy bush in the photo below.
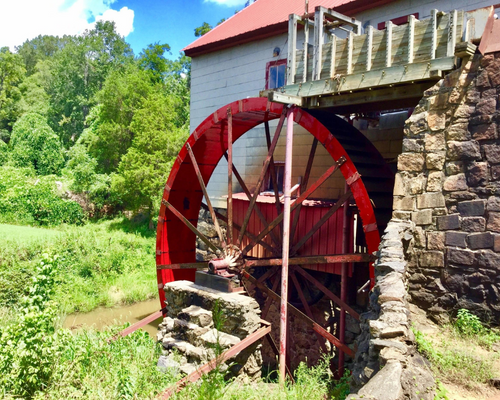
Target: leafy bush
{"x": 36, "y": 359}
{"x": 26, "y": 200}
{"x": 467, "y": 323}
{"x": 34, "y": 144}
{"x": 4, "y": 152}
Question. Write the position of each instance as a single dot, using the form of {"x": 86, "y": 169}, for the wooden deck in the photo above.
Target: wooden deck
{"x": 377, "y": 67}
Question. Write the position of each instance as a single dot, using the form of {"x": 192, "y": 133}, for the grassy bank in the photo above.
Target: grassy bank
{"x": 101, "y": 264}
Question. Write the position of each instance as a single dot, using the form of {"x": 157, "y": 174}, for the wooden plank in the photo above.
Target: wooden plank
{"x": 378, "y": 96}
{"x": 452, "y": 33}
{"x": 292, "y": 47}
{"x": 433, "y": 25}
{"x": 350, "y": 39}
{"x": 371, "y": 79}
{"x": 369, "y": 45}
{"x": 318, "y": 42}
{"x": 411, "y": 37}
{"x": 306, "y": 49}
{"x": 333, "y": 49}
{"x": 388, "y": 44}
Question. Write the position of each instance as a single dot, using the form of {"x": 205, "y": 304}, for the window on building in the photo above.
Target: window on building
{"x": 275, "y": 74}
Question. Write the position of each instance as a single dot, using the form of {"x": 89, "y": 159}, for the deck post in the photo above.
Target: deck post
{"x": 287, "y": 183}
{"x": 292, "y": 48}
{"x": 318, "y": 42}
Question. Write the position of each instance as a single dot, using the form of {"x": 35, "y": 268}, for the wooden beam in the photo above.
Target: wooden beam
{"x": 434, "y": 34}
{"x": 411, "y": 37}
{"x": 333, "y": 55}
{"x": 399, "y": 74}
{"x": 388, "y": 44}
{"x": 350, "y": 44}
{"x": 379, "y": 96}
{"x": 292, "y": 48}
{"x": 369, "y": 47}
{"x": 318, "y": 42}
{"x": 452, "y": 33}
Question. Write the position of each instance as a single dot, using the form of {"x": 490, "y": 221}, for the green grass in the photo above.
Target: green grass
{"x": 102, "y": 264}
{"x": 25, "y": 233}
{"x": 459, "y": 353}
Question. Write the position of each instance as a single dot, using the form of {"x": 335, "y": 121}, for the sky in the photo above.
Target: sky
{"x": 141, "y": 22}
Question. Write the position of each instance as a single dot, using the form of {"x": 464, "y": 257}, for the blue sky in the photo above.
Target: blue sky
{"x": 141, "y": 22}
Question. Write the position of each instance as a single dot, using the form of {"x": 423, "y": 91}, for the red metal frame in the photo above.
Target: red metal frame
{"x": 176, "y": 243}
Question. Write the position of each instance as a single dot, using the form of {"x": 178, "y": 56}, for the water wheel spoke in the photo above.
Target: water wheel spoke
{"x": 257, "y": 209}
{"x": 268, "y": 302}
{"x": 205, "y": 193}
{"x": 229, "y": 233}
{"x": 309, "y": 322}
{"x": 303, "y": 185}
{"x": 307, "y": 309}
{"x": 272, "y": 170}
{"x": 263, "y": 173}
{"x": 186, "y": 222}
{"x": 296, "y": 203}
{"x": 197, "y": 265}
{"x": 343, "y": 199}
{"x": 327, "y": 292}
{"x": 249, "y": 234}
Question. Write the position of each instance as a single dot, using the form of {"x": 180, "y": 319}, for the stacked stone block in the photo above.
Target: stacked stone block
{"x": 448, "y": 184}
{"x": 387, "y": 365}
{"x": 190, "y": 339}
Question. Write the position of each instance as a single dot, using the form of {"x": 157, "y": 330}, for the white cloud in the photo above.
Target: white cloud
{"x": 124, "y": 20}
{"x": 25, "y": 19}
{"x": 228, "y": 3}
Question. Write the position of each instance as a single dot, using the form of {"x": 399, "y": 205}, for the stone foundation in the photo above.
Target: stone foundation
{"x": 387, "y": 366}
{"x": 448, "y": 184}
{"x": 190, "y": 339}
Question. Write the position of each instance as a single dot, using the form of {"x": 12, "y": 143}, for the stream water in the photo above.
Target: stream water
{"x": 102, "y": 317}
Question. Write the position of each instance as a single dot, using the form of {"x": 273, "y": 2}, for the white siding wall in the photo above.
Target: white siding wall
{"x": 228, "y": 75}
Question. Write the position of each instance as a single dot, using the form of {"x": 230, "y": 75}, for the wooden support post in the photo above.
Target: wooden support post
{"x": 411, "y": 37}
{"x": 292, "y": 48}
{"x": 350, "y": 45}
{"x": 287, "y": 183}
{"x": 318, "y": 42}
{"x": 306, "y": 46}
{"x": 452, "y": 33}
{"x": 332, "y": 58}
{"x": 388, "y": 44}
{"x": 369, "y": 47}
{"x": 434, "y": 33}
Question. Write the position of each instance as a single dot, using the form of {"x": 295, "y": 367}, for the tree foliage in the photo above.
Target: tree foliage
{"x": 12, "y": 73}
{"x": 118, "y": 120}
{"x": 34, "y": 144}
{"x": 143, "y": 171}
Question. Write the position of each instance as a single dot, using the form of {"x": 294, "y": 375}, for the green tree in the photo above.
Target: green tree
{"x": 79, "y": 71}
{"x": 201, "y": 30}
{"x": 41, "y": 48}
{"x": 34, "y": 144}
{"x": 12, "y": 73}
{"x": 109, "y": 135}
{"x": 4, "y": 152}
{"x": 143, "y": 171}
{"x": 153, "y": 60}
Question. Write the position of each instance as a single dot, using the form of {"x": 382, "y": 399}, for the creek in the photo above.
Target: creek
{"x": 102, "y": 317}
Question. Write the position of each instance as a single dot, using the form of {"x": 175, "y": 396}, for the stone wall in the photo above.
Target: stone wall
{"x": 190, "y": 339}
{"x": 387, "y": 366}
{"x": 448, "y": 184}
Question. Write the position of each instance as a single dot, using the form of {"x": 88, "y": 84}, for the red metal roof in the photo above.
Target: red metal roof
{"x": 267, "y": 18}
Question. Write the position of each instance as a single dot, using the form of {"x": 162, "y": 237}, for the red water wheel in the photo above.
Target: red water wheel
{"x": 254, "y": 226}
